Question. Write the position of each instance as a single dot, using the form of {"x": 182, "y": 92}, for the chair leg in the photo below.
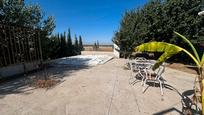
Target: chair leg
{"x": 133, "y": 77}
{"x": 144, "y": 84}
{"x": 145, "y": 81}
{"x": 161, "y": 87}
{"x": 143, "y": 78}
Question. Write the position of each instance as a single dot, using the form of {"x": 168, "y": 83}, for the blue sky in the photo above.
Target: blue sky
{"x": 92, "y": 19}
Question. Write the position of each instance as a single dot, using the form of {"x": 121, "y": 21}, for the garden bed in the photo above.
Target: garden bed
{"x": 183, "y": 67}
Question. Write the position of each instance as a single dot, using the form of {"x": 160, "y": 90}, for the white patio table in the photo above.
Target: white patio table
{"x": 143, "y": 69}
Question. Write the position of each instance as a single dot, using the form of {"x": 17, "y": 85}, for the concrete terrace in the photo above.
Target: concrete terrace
{"x": 99, "y": 90}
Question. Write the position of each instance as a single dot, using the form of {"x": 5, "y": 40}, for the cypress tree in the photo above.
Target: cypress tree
{"x": 69, "y": 39}
{"x": 76, "y": 45}
{"x": 69, "y": 44}
{"x": 62, "y": 46}
{"x": 80, "y": 44}
{"x": 65, "y": 36}
{"x": 76, "y": 42}
{"x": 58, "y": 36}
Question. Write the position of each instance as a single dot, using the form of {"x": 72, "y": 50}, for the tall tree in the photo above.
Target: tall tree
{"x": 54, "y": 46}
{"x": 80, "y": 43}
{"x": 65, "y": 37}
{"x": 49, "y": 25}
{"x": 17, "y": 13}
{"x": 46, "y": 39}
{"x": 157, "y": 20}
{"x": 69, "y": 44}
{"x": 69, "y": 39}
{"x": 63, "y": 46}
{"x": 76, "y": 45}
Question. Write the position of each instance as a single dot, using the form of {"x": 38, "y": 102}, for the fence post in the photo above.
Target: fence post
{"x": 11, "y": 43}
{"x": 40, "y": 48}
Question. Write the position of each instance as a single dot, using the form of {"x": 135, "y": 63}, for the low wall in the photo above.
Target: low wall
{"x": 17, "y": 69}
{"x": 115, "y": 51}
{"x": 105, "y": 48}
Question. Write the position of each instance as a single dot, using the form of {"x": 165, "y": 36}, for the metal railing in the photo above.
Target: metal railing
{"x": 19, "y": 45}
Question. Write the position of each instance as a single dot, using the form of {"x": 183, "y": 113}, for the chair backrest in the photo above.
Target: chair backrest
{"x": 140, "y": 58}
{"x": 133, "y": 65}
{"x": 160, "y": 71}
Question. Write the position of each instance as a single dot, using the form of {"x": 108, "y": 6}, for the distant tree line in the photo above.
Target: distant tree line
{"x": 157, "y": 20}
{"x": 61, "y": 45}
{"x": 19, "y": 14}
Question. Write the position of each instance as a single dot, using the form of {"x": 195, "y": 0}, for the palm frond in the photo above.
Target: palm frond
{"x": 167, "y": 49}
{"x": 190, "y": 44}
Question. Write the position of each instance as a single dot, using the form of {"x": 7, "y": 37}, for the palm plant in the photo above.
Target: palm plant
{"x": 168, "y": 51}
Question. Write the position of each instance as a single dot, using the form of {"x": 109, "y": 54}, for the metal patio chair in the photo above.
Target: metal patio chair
{"x": 155, "y": 76}
{"x": 138, "y": 69}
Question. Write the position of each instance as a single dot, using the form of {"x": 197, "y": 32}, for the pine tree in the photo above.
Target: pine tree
{"x": 76, "y": 45}
{"x": 58, "y": 36}
{"x": 80, "y": 44}
{"x": 54, "y": 46}
{"x": 62, "y": 46}
{"x": 69, "y": 44}
{"x": 65, "y": 36}
{"x": 69, "y": 39}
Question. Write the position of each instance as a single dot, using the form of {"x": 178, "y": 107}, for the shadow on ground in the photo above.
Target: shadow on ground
{"x": 24, "y": 83}
{"x": 188, "y": 106}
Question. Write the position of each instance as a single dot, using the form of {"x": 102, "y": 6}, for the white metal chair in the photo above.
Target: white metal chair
{"x": 140, "y": 58}
{"x": 157, "y": 78}
{"x": 130, "y": 61}
{"x": 137, "y": 68}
